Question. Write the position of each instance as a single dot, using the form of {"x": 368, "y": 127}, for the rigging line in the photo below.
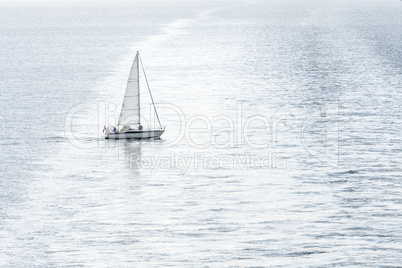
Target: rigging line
{"x": 149, "y": 90}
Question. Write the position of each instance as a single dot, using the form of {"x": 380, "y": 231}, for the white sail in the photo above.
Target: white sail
{"x": 130, "y": 110}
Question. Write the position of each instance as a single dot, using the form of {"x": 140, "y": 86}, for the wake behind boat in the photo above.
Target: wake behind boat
{"x": 129, "y": 125}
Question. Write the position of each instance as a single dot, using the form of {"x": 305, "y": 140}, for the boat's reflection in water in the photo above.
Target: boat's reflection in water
{"x": 137, "y": 154}
{"x": 130, "y": 152}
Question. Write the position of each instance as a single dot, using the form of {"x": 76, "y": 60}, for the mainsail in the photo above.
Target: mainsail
{"x": 130, "y": 110}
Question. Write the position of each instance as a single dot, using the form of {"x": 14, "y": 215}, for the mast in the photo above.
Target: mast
{"x": 138, "y": 75}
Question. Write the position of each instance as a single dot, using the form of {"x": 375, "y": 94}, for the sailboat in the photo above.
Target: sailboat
{"x": 129, "y": 124}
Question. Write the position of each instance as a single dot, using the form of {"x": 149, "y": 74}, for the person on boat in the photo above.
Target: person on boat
{"x": 114, "y": 129}
{"x": 139, "y": 127}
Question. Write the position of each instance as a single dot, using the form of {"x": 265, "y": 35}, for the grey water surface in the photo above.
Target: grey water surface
{"x": 283, "y": 142}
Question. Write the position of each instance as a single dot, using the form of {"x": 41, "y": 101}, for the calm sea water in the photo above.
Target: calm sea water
{"x": 282, "y": 146}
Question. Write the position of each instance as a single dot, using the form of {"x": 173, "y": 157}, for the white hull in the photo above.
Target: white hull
{"x": 136, "y": 134}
